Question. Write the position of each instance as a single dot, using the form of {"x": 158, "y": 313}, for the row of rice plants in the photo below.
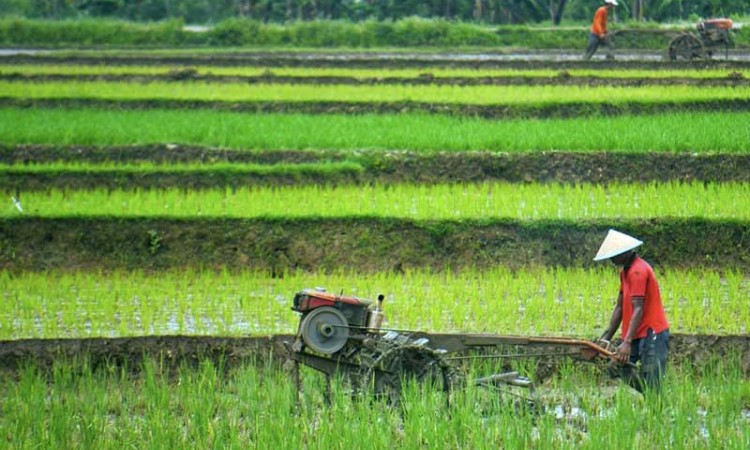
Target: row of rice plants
{"x": 488, "y": 200}
{"x": 385, "y": 72}
{"x": 683, "y": 132}
{"x": 534, "y": 301}
{"x": 466, "y": 95}
{"x": 76, "y": 406}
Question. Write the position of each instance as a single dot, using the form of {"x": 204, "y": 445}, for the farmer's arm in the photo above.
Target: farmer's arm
{"x": 623, "y": 351}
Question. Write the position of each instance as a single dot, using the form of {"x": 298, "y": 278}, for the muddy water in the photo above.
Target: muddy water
{"x": 21, "y": 51}
{"x": 550, "y": 59}
{"x": 554, "y": 56}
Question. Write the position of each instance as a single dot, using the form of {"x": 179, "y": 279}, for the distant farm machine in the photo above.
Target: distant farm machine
{"x": 343, "y": 336}
{"x": 700, "y": 44}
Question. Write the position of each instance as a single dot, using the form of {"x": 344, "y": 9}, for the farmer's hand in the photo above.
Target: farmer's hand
{"x": 622, "y": 354}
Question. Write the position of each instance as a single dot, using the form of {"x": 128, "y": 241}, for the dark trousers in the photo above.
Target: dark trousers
{"x": 594, "y": 43}
{"x": 651, "y": 351}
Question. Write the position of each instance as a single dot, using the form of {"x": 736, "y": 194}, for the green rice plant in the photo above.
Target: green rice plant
{"x": 385, "y": 72}
{"x": 491, "y": 200}
{"x": 474, "y": 95}
{"x": 420, "y": 132}
{"x": 252, "y": 407}
{"x": 541, "y": 301}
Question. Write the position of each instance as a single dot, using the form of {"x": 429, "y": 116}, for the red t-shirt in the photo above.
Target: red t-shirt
{"x": 638, "y": 280}
{"x": 599, "y": 25}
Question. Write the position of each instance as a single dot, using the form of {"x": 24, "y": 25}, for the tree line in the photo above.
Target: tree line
{"x": 281, "y": 11}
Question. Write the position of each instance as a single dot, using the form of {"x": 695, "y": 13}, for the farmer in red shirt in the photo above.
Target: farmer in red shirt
{"x": 645, "y": 331}
{"x": 598, "y": 34}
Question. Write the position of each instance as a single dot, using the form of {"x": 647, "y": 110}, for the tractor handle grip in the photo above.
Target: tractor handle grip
{"x": 588, "y": 345}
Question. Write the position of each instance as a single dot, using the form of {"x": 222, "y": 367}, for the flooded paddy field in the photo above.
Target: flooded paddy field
{"x": 625, "y": 59}
{"x": 162, "y": 208}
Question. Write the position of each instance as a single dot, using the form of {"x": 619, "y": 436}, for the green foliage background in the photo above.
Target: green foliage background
{"x": 486, "y": 11}
{"x": 411, "y": 32}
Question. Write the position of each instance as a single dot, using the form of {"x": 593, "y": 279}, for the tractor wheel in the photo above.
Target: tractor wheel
{"x": 387, "y": 373}
{"x": 687, "y": 47}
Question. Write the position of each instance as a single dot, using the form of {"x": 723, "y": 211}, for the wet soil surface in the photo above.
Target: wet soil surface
{"x": 363, "y": 244}
{"x": 377, "y": 166}
{"x": 563, "y": 78}
{"x": 177, "y": 350}
{"x": 519, "y": 60}
{"x": 159, "y": 153}
{"x": 494, "y": 111}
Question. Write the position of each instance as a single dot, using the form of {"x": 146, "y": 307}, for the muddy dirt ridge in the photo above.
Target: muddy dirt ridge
{"x": 494, "y": 111}
{"x": 738, "y": 59}
{"x": 563, "y": 78}
{"x": 357, "y": 243}
{"x": 376, "y": 166}
{"x": 689, "y": 349}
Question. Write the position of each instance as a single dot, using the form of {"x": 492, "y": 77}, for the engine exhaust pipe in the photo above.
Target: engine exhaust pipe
{"x": 376, "y": 316}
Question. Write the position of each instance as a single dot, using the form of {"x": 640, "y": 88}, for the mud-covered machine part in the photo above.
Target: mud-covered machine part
{"x": 700, "y": 44}
{"x": 341, "y": 335}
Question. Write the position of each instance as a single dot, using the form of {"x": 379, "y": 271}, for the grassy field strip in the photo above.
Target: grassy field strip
{"x": 544, "y": 301}
{"x": 187, "y": 168}
{"x": 691, "y": 132}
{"x": 479, "y": 95}
{"x": 420, "y": 202}
{"x": 385, "y": 72}
{"x": 205, "y": 406}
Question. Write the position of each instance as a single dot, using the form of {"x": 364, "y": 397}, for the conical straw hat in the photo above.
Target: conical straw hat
{"x": 616, "y": 243}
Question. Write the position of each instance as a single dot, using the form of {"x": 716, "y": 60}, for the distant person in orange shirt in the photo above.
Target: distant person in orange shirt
{"x": 598, "y": 35}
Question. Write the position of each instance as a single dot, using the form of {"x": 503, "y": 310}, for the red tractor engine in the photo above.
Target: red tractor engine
{"x": 715, "y": 31}
{"x": 722, "y": 24}
{"x": 328, "y": 320}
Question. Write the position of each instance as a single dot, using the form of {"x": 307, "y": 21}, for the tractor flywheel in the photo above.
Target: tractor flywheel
{"x": 324, "y": 330}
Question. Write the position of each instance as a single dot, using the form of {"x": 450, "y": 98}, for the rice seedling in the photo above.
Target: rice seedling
{"x": 543, "y": 301}
{"x": 420, "y": 202}
{"x": 357, "y": 133}
{"x": 438, "y": 72}
{"x": 200, "y": 407}
{"x": 477, "y": 95}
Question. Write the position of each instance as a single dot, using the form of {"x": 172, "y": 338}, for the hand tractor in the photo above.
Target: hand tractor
{"x": 343, "y": 336}
{"x": 709, "y": 35}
